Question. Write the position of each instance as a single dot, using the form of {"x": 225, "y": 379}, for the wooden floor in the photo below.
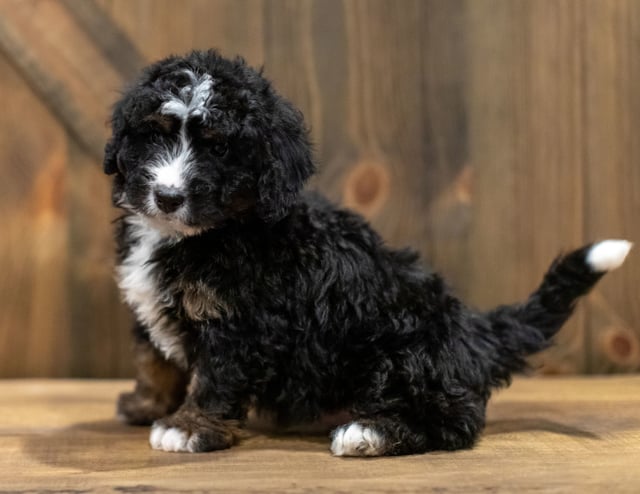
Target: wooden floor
{"x": 543, "y": 435}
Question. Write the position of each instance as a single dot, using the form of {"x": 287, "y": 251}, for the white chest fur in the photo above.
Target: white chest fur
{"x": 141, "y": 291}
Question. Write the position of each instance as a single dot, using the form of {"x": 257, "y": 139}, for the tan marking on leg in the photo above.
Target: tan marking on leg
{"x": 160, "y": 388}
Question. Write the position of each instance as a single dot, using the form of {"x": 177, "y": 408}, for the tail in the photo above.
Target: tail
{"x": 526, "y": 328}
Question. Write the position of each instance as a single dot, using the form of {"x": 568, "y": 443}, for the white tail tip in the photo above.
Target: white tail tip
{"x": 608, "y": 254}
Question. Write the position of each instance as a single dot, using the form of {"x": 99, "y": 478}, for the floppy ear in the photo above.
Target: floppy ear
{"x": 288, "y": 163}
{"x": 110, "y": 163}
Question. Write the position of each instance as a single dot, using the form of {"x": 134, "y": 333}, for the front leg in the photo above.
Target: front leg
{"x": 212, "y": 414}
{"x": 160, "y": 386}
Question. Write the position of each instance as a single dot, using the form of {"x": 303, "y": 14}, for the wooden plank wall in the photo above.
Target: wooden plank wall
{"x": 488, "y": 134}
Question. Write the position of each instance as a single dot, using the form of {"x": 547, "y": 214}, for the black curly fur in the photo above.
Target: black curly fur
{"x": 309, "y": 312}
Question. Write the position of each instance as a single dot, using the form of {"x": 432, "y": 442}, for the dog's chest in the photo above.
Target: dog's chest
{"x": 138, "y": 279}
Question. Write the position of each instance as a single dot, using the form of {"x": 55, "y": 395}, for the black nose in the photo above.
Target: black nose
{"x": 168, "y": 199}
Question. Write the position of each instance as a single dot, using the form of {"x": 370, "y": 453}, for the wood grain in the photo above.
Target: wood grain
{"x": 62, "y": 65}
{"x": 163, "y": 27}
{"x": 612, "y": 174}
{"x": 489, "y": 135}
{"x": 62, "y": 310}
{"x": 529, "y": 121}
{"x": 34, "y": 249}
{"x": 447, "y": 180}
{"x": 543, "y": 435}
{"x": 99, "y": 322}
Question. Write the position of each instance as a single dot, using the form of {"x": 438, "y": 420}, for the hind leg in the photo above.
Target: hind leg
{"x": 374, "y": 437}
{"x": 449, "y": 425}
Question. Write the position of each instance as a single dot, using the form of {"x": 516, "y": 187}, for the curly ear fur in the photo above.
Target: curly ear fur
{"x": 137, "y": 100}
{"x": 110, "y": 162}
{"x": 288, "y": 164}
{"x": 284, "y": 161}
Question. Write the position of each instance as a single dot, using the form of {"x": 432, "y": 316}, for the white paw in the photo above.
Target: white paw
{"x": 171, "y": 439}
{"x": 354, "y": 440}
{"x": 608, "y": 254}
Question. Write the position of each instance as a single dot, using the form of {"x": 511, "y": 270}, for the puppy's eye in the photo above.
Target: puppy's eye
{"x": 203, "y": 188}
{"x": 158, "y": 122}
{"x": 220, "y": 149}
{"x": 217, "y": 142}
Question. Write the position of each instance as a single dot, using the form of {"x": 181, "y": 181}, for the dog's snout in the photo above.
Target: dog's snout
{"x": 168, "y": 199}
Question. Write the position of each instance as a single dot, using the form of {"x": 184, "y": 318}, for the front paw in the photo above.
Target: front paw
{"x": 192, "y": 431}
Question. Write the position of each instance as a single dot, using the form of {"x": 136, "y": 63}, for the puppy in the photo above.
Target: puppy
{"x": 250, "y": 293}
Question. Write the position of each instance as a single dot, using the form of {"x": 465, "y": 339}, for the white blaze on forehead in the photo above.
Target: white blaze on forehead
{"x": 192, "y": 99}
{"x": 172, "y": 166}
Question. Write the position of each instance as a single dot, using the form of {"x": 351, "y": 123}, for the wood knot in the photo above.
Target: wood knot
{"x": 621, "y": 346}
{"x": 366, "y": 188}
